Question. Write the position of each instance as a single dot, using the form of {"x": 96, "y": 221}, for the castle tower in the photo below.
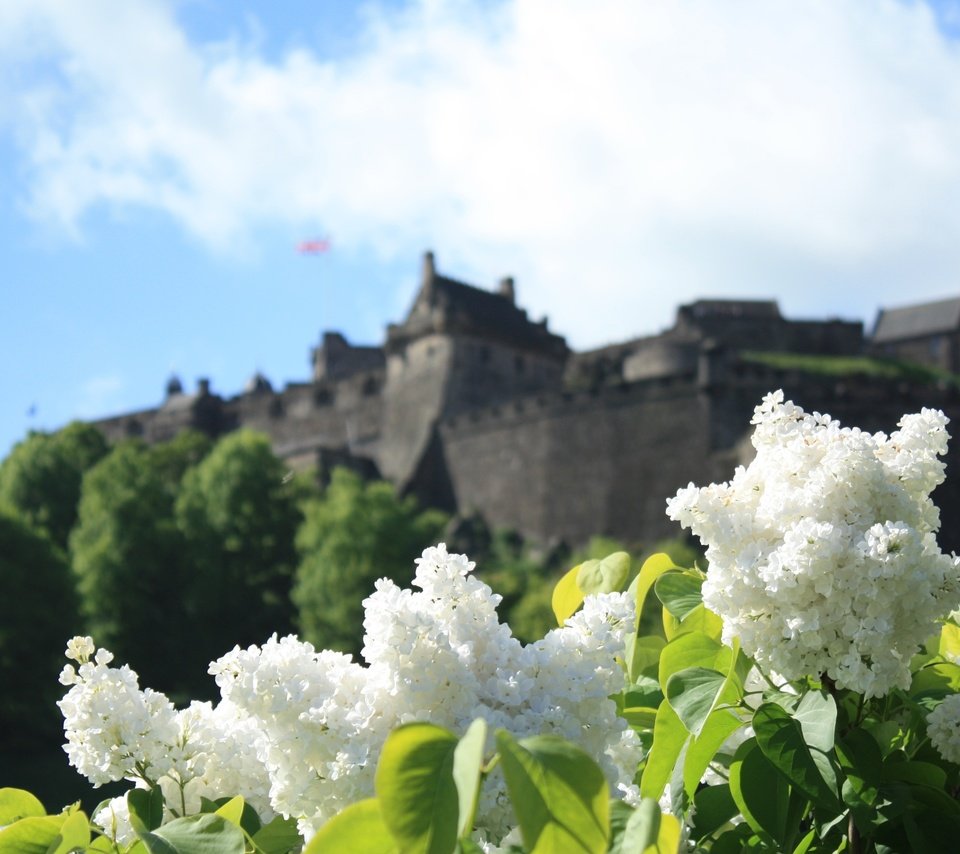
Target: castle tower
{"x": 459, "y": 348}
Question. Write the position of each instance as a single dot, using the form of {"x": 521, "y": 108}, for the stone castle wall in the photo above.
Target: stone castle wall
{"x": 474, "y": 408}
{"x": 569, "y": 466}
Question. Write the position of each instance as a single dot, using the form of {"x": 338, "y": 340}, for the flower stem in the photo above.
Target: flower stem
{"x": 853, "y": 836}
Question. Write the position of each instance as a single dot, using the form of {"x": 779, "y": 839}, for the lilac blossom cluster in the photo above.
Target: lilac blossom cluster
{"x": 298, "y": 732}
{"x": 943, "y": 728}
{"x": 822, "y": 552}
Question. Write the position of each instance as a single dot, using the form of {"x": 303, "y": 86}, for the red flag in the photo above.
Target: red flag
{"x": 314, "y": 247}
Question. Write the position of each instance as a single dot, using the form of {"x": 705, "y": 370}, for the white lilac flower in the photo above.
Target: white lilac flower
{"x": 439, "y": 654}
{"x": 116, "y": 731}
{"x": 113, "y": 729}
{"x": 114, "y": 819}
{"x": 298, "y": 732}
{"x": 943, "y": 727}
{"x": 216, "y": 755}
{"x": 80, "y": 648}
{"x": 823, "y": 559}
{"x": 317, "y": 719}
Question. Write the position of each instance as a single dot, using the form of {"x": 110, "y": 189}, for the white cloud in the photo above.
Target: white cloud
{"x": 619, "y": 157}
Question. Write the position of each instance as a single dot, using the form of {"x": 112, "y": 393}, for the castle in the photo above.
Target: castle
{"x": 475, "y": 408}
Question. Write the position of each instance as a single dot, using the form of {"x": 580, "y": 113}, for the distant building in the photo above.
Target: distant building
{"x": 928, "y": 334}
{"x": 474, "y": 407}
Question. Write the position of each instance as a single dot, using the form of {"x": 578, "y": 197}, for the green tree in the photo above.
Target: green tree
{"x": 131, "y": 566}
{"x": 174, "y": 458}
{"x": 524, "y": 582}
{"x": 40, "y": 479}
{"x": 38, "y": 614}
{"x": 238, "y": 514}
{"x": 354, "y": 534}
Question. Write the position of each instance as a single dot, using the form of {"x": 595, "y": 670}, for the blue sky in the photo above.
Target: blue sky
{"x": 161, "y": 159}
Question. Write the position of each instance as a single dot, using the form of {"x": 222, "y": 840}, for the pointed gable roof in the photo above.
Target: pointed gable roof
{"x": 917, "y": 321}
{"x": 447, "y": 305}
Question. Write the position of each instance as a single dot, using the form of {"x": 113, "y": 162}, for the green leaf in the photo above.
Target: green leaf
{"x": 887, "y": 735}
{"x": 694, "y": 693}
{"x": 669, "y": 738}
{"x": 18, "y": 803}
{"x": 416, "y": 788}
{"x": 715, "y": 806}
{"x": 74, "y": 835}
{"x": 698, "y": 620}
{"x": 943, "y": 678}
{"x": 620, "y": 813}
{"x": 640, "y": 717}
{"x": 558, "y": 792}
{"x": 31, "y": 835}
{"x": 633, "y": 830}
{"x": 949, "y": 646}
{"x": 644, "y": 692}
{"x": 643, "y": 827}
{"x": 232, "y": 810}
{"x": 637, "y": 703}
{"x": 195, "y": 834}
{"x": 642, "y": 653}
{"x": 104, "y": 845}
{"x": 668, "y": 836}
{"x": 278, "y": 836}
{"x": 761, "y": 793}
{"x": 817, "y": 715}
{"x": 692, "y": 650}
{"x": 237, "y": 811}
{"x": 737, "y": 840}
{"x": 701, "y": 751}
{"x": 467, "y": 767}
{"x": 679, "y": 592}
{"x": 604, "y": 576}
{"x": 146, "y": 808}
{"x": 862, "y": 762}
{"x": 567, "y": 596}
{"x": 804, "y": 845}
{"x": 653, "y": 567}
{"x": 781, "y": 739}
{"x": 917, "y": 773}
{"x": 358, "y": 827}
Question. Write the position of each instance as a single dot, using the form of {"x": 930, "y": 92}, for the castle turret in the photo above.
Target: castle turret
{"x": 428, "y": 270}
{"x": 174, "y": 386}
{"x": 459, "y": 347}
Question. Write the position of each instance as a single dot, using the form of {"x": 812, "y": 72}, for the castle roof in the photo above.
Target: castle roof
{"x": 256, "y": 384}
{"x": 917, "y": 321}
{"x": 447, "y": 305}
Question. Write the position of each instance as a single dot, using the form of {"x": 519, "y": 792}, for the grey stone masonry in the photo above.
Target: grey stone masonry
{"x": 474, "y": 407}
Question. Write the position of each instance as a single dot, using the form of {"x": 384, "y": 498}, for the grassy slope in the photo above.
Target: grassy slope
{"x": 852, "y": 366}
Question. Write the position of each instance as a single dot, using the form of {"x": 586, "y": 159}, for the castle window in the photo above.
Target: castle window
{"x": 935, "y": 345}
{"x": 520, "y": 364}
{"x": 484, "y": 354}
{"x": 370, "y": 386}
